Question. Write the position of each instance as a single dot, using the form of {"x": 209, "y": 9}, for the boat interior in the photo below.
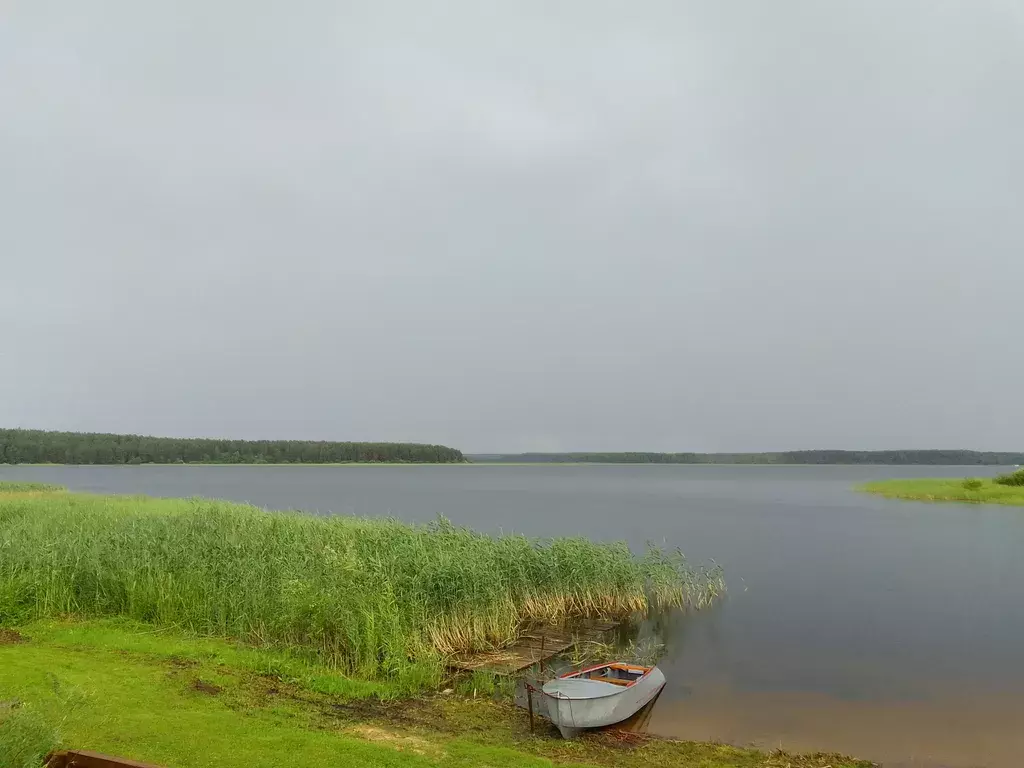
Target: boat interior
{"x": 617, "y": 674}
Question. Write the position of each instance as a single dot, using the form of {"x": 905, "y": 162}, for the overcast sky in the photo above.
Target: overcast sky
{"x": 713, "y": 225}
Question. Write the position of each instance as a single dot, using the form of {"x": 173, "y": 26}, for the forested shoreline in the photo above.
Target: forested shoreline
{"x": 925, "y": 457}
{"x": 31, "y": 446}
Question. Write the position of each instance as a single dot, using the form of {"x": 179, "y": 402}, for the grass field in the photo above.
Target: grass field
{"x": 982, "y": 491}
{"x": 174, "y": 699}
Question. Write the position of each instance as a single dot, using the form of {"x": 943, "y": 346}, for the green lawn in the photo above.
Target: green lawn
{"x": 947, "y": 489}
{"x": 171, "y": 699}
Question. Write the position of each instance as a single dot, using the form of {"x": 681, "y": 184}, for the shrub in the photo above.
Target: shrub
{"x": 972, "y": 484}
{"x": 1013, "y": 478}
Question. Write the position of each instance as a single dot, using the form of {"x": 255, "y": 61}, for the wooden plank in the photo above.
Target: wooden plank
{"x": 536, "y": 643}
{"x": 504, "y": 661}
{"x": 85, "y": 759}
{"x": 556, "y": 644}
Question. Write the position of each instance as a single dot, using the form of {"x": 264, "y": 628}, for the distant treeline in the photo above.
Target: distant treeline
{"x": 30, "y": 446}
{"x": 783, "y": 457}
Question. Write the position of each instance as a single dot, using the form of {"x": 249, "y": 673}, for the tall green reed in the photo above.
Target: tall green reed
{"x": 373, "y": 597}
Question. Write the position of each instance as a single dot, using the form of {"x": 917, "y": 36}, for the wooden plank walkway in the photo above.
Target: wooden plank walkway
{"x": 537, "y": 643}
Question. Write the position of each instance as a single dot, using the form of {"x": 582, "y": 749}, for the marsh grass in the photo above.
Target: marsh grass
{"x": 25, "y": 737}
{"x": 11, "y": 486}
{"x": 970, "y": 491}
{"x": 487, "y": 685}
{"x": 374, "y": 598}
{"x": 645, "y": 652}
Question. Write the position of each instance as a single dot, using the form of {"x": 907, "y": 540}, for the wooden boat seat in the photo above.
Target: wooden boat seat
{"x": 613, "y": 680}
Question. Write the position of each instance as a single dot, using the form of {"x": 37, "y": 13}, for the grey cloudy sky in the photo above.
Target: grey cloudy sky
{"x": 713, "y": 225}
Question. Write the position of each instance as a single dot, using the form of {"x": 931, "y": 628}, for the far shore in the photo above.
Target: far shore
{"x": 255, "y": 464}
{"x": 508, "y": 464}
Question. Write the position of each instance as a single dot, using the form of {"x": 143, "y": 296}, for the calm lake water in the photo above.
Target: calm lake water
{"x": 889, "y": 630}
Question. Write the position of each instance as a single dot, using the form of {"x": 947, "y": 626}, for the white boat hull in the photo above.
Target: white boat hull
{"x": 572, "y": 714}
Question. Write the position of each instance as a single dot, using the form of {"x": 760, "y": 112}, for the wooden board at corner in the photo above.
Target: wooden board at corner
{"x": 84, "y": 759}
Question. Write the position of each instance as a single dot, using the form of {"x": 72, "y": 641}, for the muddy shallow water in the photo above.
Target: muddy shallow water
{"x": 889, "y": 630}
{"x": 945, "y": 730}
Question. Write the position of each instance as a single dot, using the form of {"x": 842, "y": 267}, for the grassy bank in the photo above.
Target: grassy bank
{"x": 118, "y": 687}
{"x": 376, "y": 599}
{"x": 970, "y": 490}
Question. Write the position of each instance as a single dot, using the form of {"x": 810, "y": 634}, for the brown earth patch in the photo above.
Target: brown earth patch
{"x": 11, "y": 637}
{"x": 204, "y": 687}
{"x": 400, "y": 741}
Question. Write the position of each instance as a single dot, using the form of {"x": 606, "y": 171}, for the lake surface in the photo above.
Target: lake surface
{"x": 889, "y": 630}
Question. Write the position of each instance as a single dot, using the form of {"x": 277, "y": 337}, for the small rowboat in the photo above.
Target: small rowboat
{"x": 601, "y": 695}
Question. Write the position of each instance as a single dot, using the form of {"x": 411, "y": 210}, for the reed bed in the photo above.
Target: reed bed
{"x": 11, "y": 486}
{"x": 375, "y": 598}
{"x": 971, "y": 490}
